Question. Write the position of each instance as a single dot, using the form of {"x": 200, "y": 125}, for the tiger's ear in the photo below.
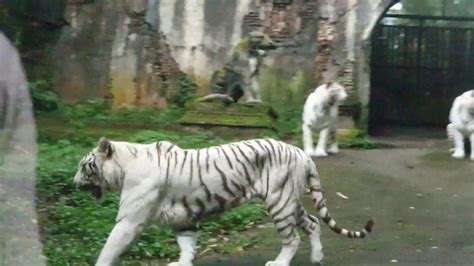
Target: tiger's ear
{"x": 105, "y": 147}
{"x": 328, "y": 84}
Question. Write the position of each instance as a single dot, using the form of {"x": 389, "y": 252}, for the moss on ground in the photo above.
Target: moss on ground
{"x": 234, "y": 115}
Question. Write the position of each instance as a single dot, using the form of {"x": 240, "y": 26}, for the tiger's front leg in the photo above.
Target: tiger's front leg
{"x": 308, "y": 139}
{"x": 187, "y": 244}
{"x": 133, "y": 216}
{"x": 458, "y": 144}
{"x": 322, "y": 143}
{"x": 123, "y": 234}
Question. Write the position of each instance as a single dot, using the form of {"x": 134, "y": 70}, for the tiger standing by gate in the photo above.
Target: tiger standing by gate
{"x": 461, "y": 126}
{"x": 320, "y": 114}
{"x": 163, "y": 183}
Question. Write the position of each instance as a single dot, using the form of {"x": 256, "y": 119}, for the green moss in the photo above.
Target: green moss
{"x": 234, "y": 115}
{"x": 283, "y": 89}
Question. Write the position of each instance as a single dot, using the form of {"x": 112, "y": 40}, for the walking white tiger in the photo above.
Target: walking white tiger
{"x": 161, "y": 182}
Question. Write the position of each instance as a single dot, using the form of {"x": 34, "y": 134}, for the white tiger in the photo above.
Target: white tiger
{"x": 461, "y": 126}
{"x": 320, "y": 113}
{"x": 163, "y": 183}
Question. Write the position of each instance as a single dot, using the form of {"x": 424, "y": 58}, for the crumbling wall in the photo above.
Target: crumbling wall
{"x": 345, "y": 27}
{"x": 109, "y": 50}
{"x": 131, "y": 52}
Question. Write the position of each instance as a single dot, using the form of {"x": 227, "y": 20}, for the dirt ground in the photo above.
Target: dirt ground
{"x": 422, "y": 202}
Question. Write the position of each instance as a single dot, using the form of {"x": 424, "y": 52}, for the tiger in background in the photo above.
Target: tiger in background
{"x": 320, "y": 113}
{"x": 163, "y": 183}
{"x": 461, "y": 126}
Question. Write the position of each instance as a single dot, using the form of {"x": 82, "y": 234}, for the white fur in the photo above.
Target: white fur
{"x": 162, "y": 183}
{"x": 461, "y": 126}
{"x": 320, "y": 113}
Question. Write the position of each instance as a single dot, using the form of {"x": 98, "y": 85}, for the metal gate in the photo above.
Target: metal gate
{"x": 418, "y": 68}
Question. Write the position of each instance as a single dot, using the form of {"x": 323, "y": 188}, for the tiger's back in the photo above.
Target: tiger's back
{"x": 211, "y": 180}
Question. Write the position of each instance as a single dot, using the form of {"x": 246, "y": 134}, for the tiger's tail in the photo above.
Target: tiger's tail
{"x": 323, "y": 212}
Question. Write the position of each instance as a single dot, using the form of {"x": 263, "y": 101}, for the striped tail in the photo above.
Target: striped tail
{"x": 323, "y": 212}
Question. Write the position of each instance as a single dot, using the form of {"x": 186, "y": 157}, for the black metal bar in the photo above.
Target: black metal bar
{"x": 444, "y": 8}
{"x": 426, "y": 17}
{"x": 426, "y": 27}
{"x": 407, "y": 67}
{"x": 419, "y": 52}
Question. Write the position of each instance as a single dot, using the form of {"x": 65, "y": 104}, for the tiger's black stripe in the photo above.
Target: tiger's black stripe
{"x": 184, "y": 160}
{"x": 245, "y": 157}
{"x": 201, "y": 206}
{"x": 192, "y": 168}
{"x": 247, "y": 175}
{"x": 227, "y": 157}
{"x": 186, "y": 206}
{"x": 273, "y": 149}
{"x": 275, "y": 214}
{"x": 221, "y": 201}
{"x": 171, "y": 147}
{"x": 224, "y": 180}
{"x": 167, "y": 171}
{"x": 267, "y": 184}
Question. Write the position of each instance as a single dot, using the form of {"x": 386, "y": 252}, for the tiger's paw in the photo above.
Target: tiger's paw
{"x": 333, "y": 149}
{"x": 458, "y": 155}
{"x": 319, "y": 153}
{"x": 276, "y": 263}
{"x": 317, "y": 257}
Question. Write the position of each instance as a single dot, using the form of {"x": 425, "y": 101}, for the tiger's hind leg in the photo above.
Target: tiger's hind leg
{"x": 187, "y": 240}
{"x": 283, "y": 210}
{"x": 310, "y": 225}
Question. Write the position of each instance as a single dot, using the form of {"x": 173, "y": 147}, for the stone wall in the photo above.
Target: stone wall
{"x": 131, "y": 52}
{"x": 345, "y": 27}
{"x": 110, "y": 51}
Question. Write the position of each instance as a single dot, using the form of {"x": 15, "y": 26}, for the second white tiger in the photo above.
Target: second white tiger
{"x": 461, "y": 126}
{"x": 320, "y": 114}
{"x": 163, "y": 183}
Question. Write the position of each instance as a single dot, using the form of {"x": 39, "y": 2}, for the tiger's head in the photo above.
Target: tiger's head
{"x": 336, "y": 93}
{"x": 93, "y": 170}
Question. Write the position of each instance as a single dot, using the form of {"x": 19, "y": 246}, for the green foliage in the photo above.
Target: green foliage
{"x": 289, "y": 124}
{"x": 43, "y": 96}
{"x": 284, "y": 90}
{"x": 360, "y": 141}
{"x": 186, "y": 91}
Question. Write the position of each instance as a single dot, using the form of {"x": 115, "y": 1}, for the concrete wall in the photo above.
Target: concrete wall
{"x": 345, "y": 28}
{"x": 131, "y": 52}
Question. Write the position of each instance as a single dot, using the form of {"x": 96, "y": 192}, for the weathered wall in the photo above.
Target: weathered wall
{"x": 109, "y": 50}
{"x": 132, "y": 51}
{"x": 345, "y": 27}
